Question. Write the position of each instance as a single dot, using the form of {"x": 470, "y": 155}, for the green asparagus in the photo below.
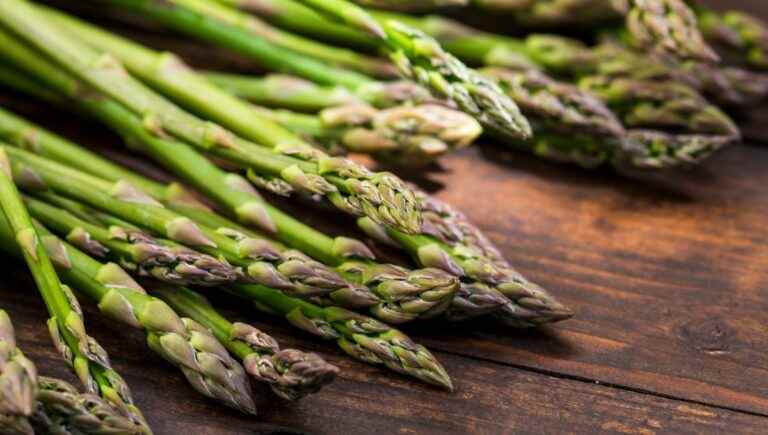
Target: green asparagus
{"x": 18, "y": 383}
{"x": 451, "y": 243}
{"x": 359, "y": 336}
{"x": 403, "y": 135}
{"x": 743, "y": 37}
{"x": 394, "y": 293}
{"x": 207, "y": 367}
{"x": 62, "y": 410}
{"x": 83, "y": 353}
{"x": 292, "y": 374}
{"x": 347, "y": 185}
{"x": 134, "y": 249}
{"x": 415, "y": 54}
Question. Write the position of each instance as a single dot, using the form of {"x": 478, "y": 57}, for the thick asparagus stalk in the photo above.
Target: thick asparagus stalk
{"x": 415, "y": 55}
{"x": 359, "y": 336}
{"x": 83, "y": 353}
{"x": 62, "y": 410}
{"x": 18, "y": 383}
{"x": 410, "y": 5}
{"x": 292, "y": 374}
{"x": 347, "y": 185}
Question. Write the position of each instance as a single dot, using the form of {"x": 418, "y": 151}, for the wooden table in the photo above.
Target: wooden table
{"x": 668, "y": 275}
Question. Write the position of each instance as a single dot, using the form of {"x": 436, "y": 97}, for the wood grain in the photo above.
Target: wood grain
{"x": 668, "y": 274}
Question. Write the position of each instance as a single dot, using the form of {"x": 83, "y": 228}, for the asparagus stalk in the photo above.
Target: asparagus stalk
{"x": 660, "y": 105}
{"x": 182, "y": 342}
{"x": 134, "y": 249}
{"x": 18, "y": 383}
{"x": 555, "y": 106}
{"x": 61, "y": 409}
{"x": 415, "y": 55}
{"x": 403, "y": 135}
{"x": 359, "y": 336}
{"x": 347, "y": 185}
{"x": 82, "y": 352}
{"x": 740, "y": 35}
{"x": 451, "y": 243}
{"x": 260, "y": 261}
{"x": 412, "y": 131}
{"x": 345, "y": 58}
{"x": 411, "y": 5}
{"x": 292, "y": 374}
{"x": 473, "y": 298}
{"x": 391, "y": 292}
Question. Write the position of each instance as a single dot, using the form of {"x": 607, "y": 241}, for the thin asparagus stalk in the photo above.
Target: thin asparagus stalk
{"x": 89, "y": 361}
{"x": 347, "y": 185}
{"x": 739, "y": 34}
{"x": 415, "y": 55}
{"x": 18, "y": 383}
{"x": 182, "y": 342}
{"x": 292, "y": 374}
{"x": 134, "y": 249}
{"x": 359, "y": 336}
{"x": 62, "y": 410}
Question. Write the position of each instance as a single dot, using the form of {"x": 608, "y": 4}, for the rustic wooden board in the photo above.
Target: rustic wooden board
{"x": 668, "y": 275}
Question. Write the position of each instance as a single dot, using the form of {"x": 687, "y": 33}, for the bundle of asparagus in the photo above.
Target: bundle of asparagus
{"x": 149, "y": 254}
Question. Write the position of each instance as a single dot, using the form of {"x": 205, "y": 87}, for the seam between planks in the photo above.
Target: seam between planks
{"x": 613, "y": 385}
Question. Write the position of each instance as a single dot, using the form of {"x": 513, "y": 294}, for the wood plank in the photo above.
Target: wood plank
{"x": 491, "y": 398}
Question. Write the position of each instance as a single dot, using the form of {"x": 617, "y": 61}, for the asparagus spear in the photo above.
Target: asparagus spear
{"x": 739, "y": 34}
{"x": 415, "y": 55}
{"x": 391, "y": 292}
{"x": 135, "y": 249}
{"x": 555, "y": 106}
{"x": 403, "y": 135}
{"x": 260, "y": 261}
{"x": 182, "y": 342}
{"x": 292, "y": 374}
{"x": 411, "y": 5}
{"x": 359, "y": 336}
{"x": 83, "y": 353}
{"x": 18, "y": 383}
{"x": 450, "y": 242}
{"x": 473, "y": 298}
{"x": 62, "y": 410}
{"x": 349, "y": 59}
{"x": 347, "y": 185}
{"x": 660, "y": 105}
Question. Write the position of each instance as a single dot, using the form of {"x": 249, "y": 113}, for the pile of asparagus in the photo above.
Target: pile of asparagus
{"x": 401, "y": 88}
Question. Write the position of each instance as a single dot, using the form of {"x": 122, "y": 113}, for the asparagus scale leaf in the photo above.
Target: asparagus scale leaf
{"x": 18, "y": 382}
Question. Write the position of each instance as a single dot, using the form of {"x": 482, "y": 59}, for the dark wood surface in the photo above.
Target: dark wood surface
{"x": 668, "y": 275}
